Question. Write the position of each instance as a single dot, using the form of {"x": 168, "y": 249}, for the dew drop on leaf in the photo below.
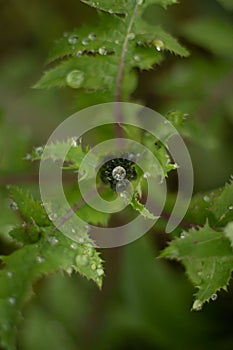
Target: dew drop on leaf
{"x": 39, "y": 151}
{"x": 14, "y": 205}
{"x": 93, "y": 266}
{"x": 230, "y": 207}
{"x": 12, "y": 300}
{"x": 137, "y": 58}
{"x": 119, "y": 173}
{"x": 146, "y": 175}
{"x": 182, "y": 235}
{"x": 100, "y": 272}
{"x": 206, "y": 198}
{"x": 75, "y": 79}
{"x": 53, "y": 240}
{"x": 73, "y": 246}
{"x": 88, "y": 228}
{"x": 81, "y": 260}
{"x": 40, "y": 259}
{"x": 131, "y": 36}
{"x": 73, "y": 39}
{"x": 9, "y": 274}
{"x": 79, "y": 53}
{"x": 159, "y": 44}
{"x": 102, "y": 51}
{"x": 92, "y": 36}
{"x": 214, "y": 297}
{"x": 140, "y": 2}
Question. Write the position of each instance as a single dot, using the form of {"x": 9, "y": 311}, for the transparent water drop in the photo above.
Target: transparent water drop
{"x": 214, "y": 297}
{"x": 159, "y": 44}
{"x": 117, "y": 42}
{"x": 139, "y": 43}
{"x": 137, "y": 58}
{"x": 53, "y": 240}
{"x": 206, "y": 198}
{"x": 131, "y": 36}
{"x": 81, "y": 260}
{"x": 119, "y": 173}
{"x": 76, "y": 141}
{"x": 140, "y": 2}
{"x": 73, "y": 39}
{"x": 110, "y": 11}
{"x": 85, "y": 42}
{"x": 12, "y": 300}
{"x": 93, "y": 266}
{"x": 9, "y": 274}
{"x": 40, "y": 259}
{"x": 73, "y": 230}
{"x": 79, "y": 53}
{"x": 14, "y": 205}
{"x": 100, "y": 272}
{"x": 146, "y": 175}
{"x": 102, "y": 51}
{"x": 39, "y": 151}
{"x": 81, "y": 240}
{"x": 52, "y": 216}
{"x": 182, "y": 235}
{"x": 28, "y": 156}
{"x": 75, "y": 78}
{"x": 92, "y": 36}
{"x": 230, "y": 207}
{"x": 74, "y": 246}
{"x": 69, "y": 270}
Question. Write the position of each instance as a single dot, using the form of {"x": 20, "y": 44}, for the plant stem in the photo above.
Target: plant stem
{"x": 118, "y": 111}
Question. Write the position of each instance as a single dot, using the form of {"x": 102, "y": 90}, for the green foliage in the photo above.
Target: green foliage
{"x": 83, "y": 55}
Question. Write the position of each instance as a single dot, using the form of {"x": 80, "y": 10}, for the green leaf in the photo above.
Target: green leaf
{"x": 228, "y": 4}
{"x": 58, "y": 151}
{"x": 228, "y": 230}
{"x": 222, "y": 205}
{"x": 136, "y": 205}
{"x": 128, "y": 41}
{"x": 208, "y": 259}
{"x": 24, "y": 266}
{"x": 29, "y": 210}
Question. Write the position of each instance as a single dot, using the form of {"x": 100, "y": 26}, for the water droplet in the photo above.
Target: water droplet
{"x": 40, "y": 259}
{"x": 92, "y": 36}
{"x": 73, "y": 230}
{"x": 85, "y": 42}
{"x": 117, "y": 42}
{"x": 139, "y": 43}
{"x": 100, "y": 272}
{"x": 121, "y": 186}
{"x": 53, "y": 240}
{"x": 73, "y": 246}
{"x": 52, "y": 216}
{"x": 81, "y": 260}
{"x": 137, "y": 58}
{"x": 69, "y": 270}
{"x": 79, "y": 53}
{"x": 131, "y": 156}
{"x": 110, "y": 11}
{"x": 9, "y": 274}
{"x": 73, "y": 39}
{"x": 146, "y": 175}
{"x": 14, "y": 205}
{"x": 28, "y": 156}
{"x": 131, "y": 36}
{"x": 12, "y": 300}
{"x": 197, "y": 305}
{"x": 140, "y": 2}
{"x": 214, "y": 297}
{"x": 182, "y": 235}
{"x": 230, "y": 207}
{"x": 81, "y": 240}
{"x": 76, "y": 141}
{"x": 159, "y": 44}
{"x": 75, "y": 79}
{"x": 119, "y": 173}
{"x": 206, "y": 198}
{"x": 39, "y": 151}
{"x": 93, "y": 266}
{"x": 102, "y": 51}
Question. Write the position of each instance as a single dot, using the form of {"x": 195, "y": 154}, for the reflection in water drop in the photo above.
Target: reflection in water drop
{"x": 75, "y": 78}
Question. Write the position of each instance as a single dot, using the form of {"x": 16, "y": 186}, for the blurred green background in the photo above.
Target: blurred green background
{"x": 145, "y": 303}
